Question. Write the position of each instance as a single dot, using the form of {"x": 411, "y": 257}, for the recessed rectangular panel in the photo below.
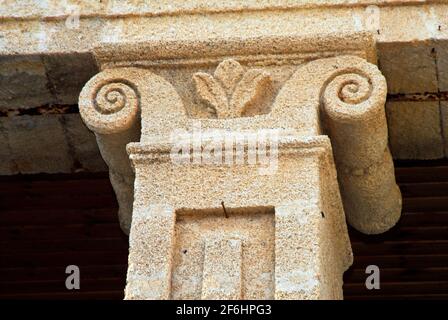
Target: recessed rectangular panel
{"x": 210, "y": 245}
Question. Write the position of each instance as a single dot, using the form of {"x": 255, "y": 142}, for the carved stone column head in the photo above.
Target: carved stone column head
{"x": 240, "y": 152}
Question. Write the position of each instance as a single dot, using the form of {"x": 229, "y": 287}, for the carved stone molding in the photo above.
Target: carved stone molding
{"x": 198, "y": 132}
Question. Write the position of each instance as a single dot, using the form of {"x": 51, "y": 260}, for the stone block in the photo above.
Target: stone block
{"x": 442, "y": 64}
{"x": 414, "y": 129}
{"x": 150, "y": 266}
{"x": 38, "y": 144}
{"x": 68, "y": 73}
{"x": 83, "y": 144}
{"x": 408, "y": 67}
{"x": 23, "y": 82}
{"x": 222, "y": 269}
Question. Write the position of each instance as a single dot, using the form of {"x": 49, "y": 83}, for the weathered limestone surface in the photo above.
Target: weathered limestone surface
{"x": 322, "y": 93}
{"x": 50, "y": 153}
{"x": 356, "y": 123}
{"x": 48, "y": 143}
{"x": 442, "y": 65}
{"x": 216, "y": 212}
{"x": 409, "y": 68}
{"x": 38, "y": 30}
{"x": 414, "y": 129}
{"x": 222, "y": 273}
{"x": 46, "y": 46}
{"x": 23, "y": 82}
{"x": 170, "y": 69}
{"x": 110, "y": 103}
{"x": 33, "y": 8}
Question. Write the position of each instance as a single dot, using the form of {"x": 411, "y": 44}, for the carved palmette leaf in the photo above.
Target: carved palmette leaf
{"x": 211, "y": 92}
{"x": 229, "y": 72}
{"x": 232, "y": 92}
{"x": 250, "y": 91}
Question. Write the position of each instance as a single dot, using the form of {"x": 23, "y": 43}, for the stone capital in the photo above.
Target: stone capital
{"x": 243, "y": 153}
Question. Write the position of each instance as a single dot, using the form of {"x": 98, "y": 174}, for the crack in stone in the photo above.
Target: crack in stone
{"x": 424, "y": 96}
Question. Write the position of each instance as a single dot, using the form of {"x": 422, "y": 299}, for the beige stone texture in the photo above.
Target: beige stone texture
{"x": 150, "y": 265}
{"x": 209, "y": 225}
{"x": 222, "y": 273}
{"x": 357, "y": 126}
{"x": 409, "y": 67}
{"x": 400, "y": 20}
{"x": 301, "y": 71}
{"x": 372, "y": 199}
{"x": 44, "y": 28}
{"x": 23, "y": 82}
{"x": 46, "y": 49}
{"x": 31, "y": 8}
{"x": 415, "y": 129}
{"x": 111, "y": 108}
{"x": 199, "y": 269}
{"x": 113, "y": 151}
{"x": 300, "y": 261}
{"x": 67, "y": 74}
{"x": 442, "y": 64}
